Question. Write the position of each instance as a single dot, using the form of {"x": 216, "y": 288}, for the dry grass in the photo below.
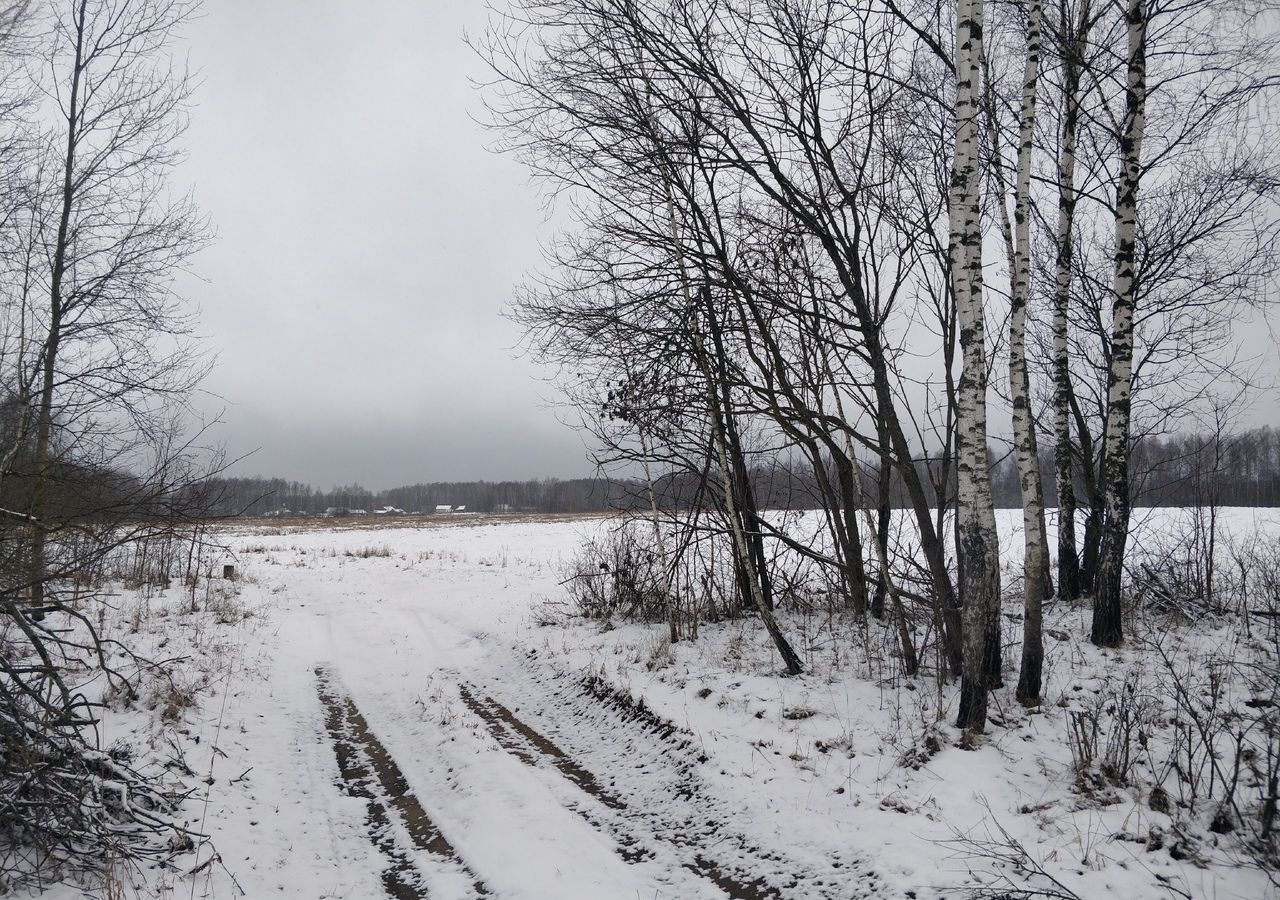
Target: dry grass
{"x": 170, "y": 697}
{"x": 381, "y": 552}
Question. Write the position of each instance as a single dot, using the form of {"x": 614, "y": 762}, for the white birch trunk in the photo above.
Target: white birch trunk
{"x": 975, "y": 518}
{"x": 1035, "y": 538}
{"x": 1107, "y": 628}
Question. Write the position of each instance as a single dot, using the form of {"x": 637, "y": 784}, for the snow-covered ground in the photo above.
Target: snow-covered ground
{"x": 728, "y": 781}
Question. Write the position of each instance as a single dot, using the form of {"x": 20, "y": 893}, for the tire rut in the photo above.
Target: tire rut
{"x": 369, "y": 773}
{"x": 532, "y": 748}
{"x": 621, "y": 737}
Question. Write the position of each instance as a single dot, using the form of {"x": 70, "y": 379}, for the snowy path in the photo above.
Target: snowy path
{"x": 369, "y": 772}
{"x": 513, "y": 829}
{"x": 396, "y": 725}
{"x": 398, "y": 776}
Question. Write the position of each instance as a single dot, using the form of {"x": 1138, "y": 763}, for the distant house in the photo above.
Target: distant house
{"x": 459, "y": 509}
{"x": 334, "y": 511}
{"x": 444, "y": 508}
{"x": 389, "y": 511}
{"x": 359, "y": 512}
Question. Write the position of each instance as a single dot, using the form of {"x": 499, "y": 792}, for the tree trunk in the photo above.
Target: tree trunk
{"x": 1073, "y": 38}
{"x": 756, "y": 586}
{"x": 930, "y": 543}
{"x": 745, "y": 501}
{"x": 975, "y": 515}
{"x": 742, "y": 549}
{"x": 1107, "y": 627}
{"x": 1090, "y": 472}
{"x": 886, "y": 585}
{"x": 49, "y": 361}
{"x": 856, "y": 577}
{"x": 883, "y": 511}
{"x": 1035, "y": 540}
{"x": 668, "y": 602}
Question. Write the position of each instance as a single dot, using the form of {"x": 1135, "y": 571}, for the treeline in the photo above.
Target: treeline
{"x": 1190, "y": 470}
{"x": 1182, "y": 470}
{"x": 1240, "y": 469}
{"x": 258, "y": 496}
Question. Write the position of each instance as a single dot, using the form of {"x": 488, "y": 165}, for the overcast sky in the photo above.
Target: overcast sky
{"x": 366, "y": 244}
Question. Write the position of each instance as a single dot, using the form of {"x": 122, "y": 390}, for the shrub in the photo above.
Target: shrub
{"x": 617, "y": 574}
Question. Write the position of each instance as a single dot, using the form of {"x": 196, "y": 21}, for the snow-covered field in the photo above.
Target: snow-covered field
{"x": 389, "y": 720}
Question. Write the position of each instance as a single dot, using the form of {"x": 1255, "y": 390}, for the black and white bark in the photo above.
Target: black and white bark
{"x": 1026, "y": 447}
{"x": 1107, "y": 629}
{"x": 975, "y": 515}
{"x": 1072, "y": 34}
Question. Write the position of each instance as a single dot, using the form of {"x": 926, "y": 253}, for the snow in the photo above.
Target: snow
{"x": 839, "y": 783}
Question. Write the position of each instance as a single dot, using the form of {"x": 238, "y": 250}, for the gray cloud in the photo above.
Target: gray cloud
{"x": 366, "y": 244}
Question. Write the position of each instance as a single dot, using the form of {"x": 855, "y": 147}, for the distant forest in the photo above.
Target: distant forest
{"x": 1239, "y": 470}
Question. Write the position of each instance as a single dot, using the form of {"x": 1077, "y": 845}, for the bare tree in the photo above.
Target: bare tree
{"x": 752, "y": 168}
{"x": 1069, "y": 37}
{"x": 101, "y": 456}
{"x": 109, "y": 240}
{"x": 1107, "y": 627}
{"x": 1197, "y": 248}
{"x": 761, "y": 188}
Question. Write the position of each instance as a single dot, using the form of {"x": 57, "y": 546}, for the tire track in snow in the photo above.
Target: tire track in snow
{"x": 369, "y": 773}
{"x": 531, "y": 747}
{"x": 656, "y": 762}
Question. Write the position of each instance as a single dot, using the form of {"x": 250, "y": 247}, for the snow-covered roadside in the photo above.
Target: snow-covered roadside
{"x": 850, "y": 750}
{"x": 835, "y": 763}
{"x": 217, "y": 646}
{"x": 834, "y": 784}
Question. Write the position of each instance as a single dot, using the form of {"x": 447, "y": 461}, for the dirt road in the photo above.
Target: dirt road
{"x": 407, "y": 741}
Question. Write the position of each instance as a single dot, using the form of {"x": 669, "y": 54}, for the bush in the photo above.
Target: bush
{"x": 1224, "y": 709}
{"x": 618, "y": 574}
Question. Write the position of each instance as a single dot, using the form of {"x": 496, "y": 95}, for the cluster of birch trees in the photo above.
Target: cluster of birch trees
{"x": 842, "y": 232}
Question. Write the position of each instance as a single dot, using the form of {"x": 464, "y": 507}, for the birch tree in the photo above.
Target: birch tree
{"x": 1017, "y": 238}
{"x": 1071, "y": 38}
{"x": 1194, "y": 243}
{"x": 1107, "y": 629}
{"x": 975, "y": 516}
